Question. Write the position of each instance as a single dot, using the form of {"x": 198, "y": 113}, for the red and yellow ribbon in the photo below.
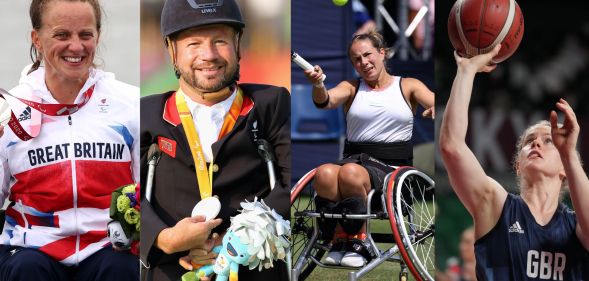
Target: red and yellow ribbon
{"x": 204, "y": 176}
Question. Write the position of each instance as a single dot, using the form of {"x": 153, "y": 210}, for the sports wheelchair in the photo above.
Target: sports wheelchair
{"x": 406, "y": 200}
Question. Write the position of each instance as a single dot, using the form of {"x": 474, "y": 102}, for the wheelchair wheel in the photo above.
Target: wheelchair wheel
{"x": 302, "y": 197}
{"x": 410, "y": 205}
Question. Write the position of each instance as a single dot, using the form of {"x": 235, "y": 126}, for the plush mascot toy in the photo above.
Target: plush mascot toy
{"x": 257, "y": 237}
{"x": 230, "y": 255}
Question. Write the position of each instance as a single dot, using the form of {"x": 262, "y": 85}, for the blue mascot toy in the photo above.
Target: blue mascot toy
{"x": 230, "y": 255}
{"x": 257, "y": 237}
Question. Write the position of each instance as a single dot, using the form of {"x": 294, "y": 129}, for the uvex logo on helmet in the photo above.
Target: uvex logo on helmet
{"x": 204, "y": 4}
{"x": 179, "y": 15}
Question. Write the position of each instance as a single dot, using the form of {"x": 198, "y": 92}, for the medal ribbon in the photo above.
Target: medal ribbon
{"x": 48, "y": 109}
{"x": 204, "y": 176}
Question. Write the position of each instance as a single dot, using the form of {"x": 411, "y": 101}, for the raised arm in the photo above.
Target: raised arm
{"x": 331, "y": 98}
{"x": 565, "y": 140}
{"x": 482, "y": 196}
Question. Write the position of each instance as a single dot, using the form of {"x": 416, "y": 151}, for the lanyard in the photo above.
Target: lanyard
{"x": 204, "y": 176}
{"x": 48, "y": 109}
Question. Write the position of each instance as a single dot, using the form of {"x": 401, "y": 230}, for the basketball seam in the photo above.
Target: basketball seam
{"x": 469, "y": 49}
{"x": 480, "y": 27}
{"x": 506, "y": 27}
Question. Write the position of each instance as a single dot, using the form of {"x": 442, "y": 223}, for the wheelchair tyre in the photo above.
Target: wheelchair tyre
{"x": 411, "y": 210}
{"x": 302, "y": 197}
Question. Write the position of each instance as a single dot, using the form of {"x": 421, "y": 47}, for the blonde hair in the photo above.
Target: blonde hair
{"x": 520, "y": 144}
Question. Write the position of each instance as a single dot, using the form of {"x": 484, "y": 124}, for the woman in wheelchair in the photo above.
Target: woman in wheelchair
{"x": 379, "y": 109}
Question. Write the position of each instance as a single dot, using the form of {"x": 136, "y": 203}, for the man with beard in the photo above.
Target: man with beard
{"x": 207, "y": 131}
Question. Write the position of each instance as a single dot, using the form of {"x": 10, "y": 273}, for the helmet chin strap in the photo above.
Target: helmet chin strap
{"x": 171, "y": 46}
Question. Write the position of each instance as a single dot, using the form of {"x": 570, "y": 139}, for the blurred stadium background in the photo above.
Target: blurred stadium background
{"x": 551, "y": 62}
{"x": 118, "y": 50}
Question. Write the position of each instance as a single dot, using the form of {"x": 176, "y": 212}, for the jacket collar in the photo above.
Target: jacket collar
{"x": 171, "y": 115}
{"x": 36, "y": 82}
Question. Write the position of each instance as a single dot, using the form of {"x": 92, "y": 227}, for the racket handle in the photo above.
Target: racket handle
{"x": 302, "y": 63}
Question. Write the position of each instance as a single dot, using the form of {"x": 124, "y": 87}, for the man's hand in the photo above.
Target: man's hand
{"x": 199, "y": 257}
{"x": 189, "y": 233}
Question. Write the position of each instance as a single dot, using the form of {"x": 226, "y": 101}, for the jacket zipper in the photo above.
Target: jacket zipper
{"x": 74, "y": 187}
{"x": 21, "y": 208}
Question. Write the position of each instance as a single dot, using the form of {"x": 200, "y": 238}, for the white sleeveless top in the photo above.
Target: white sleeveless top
{"x": 382, "y": 116}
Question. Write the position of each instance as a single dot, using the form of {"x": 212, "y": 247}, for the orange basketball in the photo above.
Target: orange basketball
{"x": 476, "y": 26}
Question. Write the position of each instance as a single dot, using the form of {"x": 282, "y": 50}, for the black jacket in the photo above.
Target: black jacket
{"x": 241, "y": 172}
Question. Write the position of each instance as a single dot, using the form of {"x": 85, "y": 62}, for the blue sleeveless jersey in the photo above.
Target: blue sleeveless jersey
{"x": 518, "y": 248}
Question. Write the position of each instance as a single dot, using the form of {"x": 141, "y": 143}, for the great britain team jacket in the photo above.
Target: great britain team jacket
{"x": 59, "y": 184}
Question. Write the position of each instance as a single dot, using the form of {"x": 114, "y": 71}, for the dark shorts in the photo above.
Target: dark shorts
{"x": 377, "y": 169}
{"x": 23, "y": 264}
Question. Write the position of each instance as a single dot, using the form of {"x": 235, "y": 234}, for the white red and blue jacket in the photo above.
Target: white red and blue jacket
{"x": 59, "y": 184}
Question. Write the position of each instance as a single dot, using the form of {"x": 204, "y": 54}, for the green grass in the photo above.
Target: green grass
{"x": 385, "y": 271}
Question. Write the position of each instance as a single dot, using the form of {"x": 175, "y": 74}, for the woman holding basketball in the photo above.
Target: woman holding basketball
{"x": 379, "y": 110}
{"x": 530, "y": 236}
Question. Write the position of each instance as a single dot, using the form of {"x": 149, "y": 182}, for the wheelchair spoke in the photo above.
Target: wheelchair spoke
{"x": 415, "y": 218}
{"x": 302, "y": 230}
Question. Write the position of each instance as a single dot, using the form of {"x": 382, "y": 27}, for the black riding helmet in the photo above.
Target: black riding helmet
{"x": 179, "y": 15}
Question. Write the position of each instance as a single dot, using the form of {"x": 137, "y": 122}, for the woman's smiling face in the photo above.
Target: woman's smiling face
{"x": 67, "y": 39}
